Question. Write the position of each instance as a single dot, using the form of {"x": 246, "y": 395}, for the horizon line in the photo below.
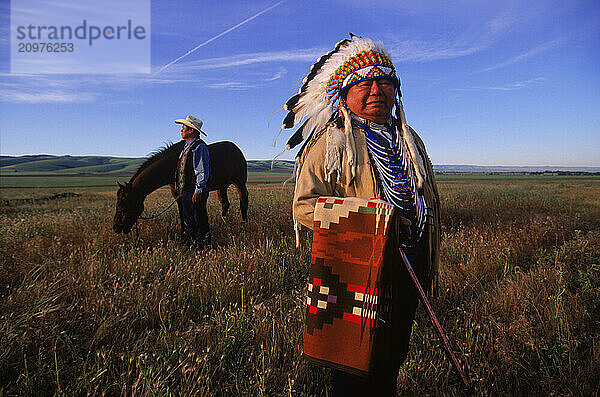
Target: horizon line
{"x": 291, "y": 161}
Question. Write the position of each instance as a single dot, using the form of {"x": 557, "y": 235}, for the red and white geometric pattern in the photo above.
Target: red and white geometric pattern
{"x": 364, "y": 309}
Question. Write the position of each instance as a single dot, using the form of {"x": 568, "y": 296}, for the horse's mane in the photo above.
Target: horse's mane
{"x": 155, "y": 156}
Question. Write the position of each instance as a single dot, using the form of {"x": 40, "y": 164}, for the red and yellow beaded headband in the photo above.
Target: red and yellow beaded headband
{"x": 366, "y": 65}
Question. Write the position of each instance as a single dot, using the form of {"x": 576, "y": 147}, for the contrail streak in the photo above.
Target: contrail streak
{"x": 219, "y": 35}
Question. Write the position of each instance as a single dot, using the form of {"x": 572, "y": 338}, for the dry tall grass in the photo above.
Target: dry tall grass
{"x": 86, "y": 311}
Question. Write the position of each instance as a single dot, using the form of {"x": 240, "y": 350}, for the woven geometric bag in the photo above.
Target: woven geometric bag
{"x": 349, "y": 299}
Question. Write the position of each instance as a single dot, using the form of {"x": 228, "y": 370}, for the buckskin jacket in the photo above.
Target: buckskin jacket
{"x": 327, "y": 151}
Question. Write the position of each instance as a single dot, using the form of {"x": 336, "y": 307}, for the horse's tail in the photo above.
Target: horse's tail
{"x": 241, "y": 183}
{"x": 243, "y": 171}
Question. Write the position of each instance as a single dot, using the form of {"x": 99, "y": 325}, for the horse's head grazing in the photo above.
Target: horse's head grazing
{"x": 129, "y": 207}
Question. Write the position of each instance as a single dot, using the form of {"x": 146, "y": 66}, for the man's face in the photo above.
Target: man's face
{"x": 372, "y": 99}
{"x": 187, "y": 133}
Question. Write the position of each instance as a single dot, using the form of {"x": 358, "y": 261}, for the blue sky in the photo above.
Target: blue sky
{"x": 484, "y": 82}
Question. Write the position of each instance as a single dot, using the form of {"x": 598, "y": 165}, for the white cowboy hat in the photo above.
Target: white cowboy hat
{"x": 191, "y": 122}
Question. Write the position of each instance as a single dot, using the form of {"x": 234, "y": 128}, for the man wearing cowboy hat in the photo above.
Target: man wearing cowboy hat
{"x": 192, "y": 181}
{"x": 356, "y": 146}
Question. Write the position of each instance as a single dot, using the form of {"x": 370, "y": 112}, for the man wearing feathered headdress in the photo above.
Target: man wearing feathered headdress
{"x": 356, "y": 145}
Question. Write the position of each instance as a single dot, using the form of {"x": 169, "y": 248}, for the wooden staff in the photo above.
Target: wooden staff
{"x": 436, "y": 323}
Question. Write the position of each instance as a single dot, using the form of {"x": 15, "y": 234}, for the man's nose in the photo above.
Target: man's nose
{"x": 375, "y": 88}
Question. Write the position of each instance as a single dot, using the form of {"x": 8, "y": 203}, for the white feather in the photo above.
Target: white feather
{"x": 314, "y": 102}
{"x": 336, "y": 143}
{"x": 350, "y": 144}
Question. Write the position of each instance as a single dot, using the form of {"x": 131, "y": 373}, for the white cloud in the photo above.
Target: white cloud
{"x": 487, "y": 25}
{"x": 517, "y": 85}
{"x": 230, "y": 85}
{"x": 280, "y": 73}
{"x": 426, "y": 51}
{"x": 29, "y": 88}
{"x": 304, "y": 55}
{"x": 50, "y": 96}
{"x": 472, "y": 39}
{"x": 535, "y": 51}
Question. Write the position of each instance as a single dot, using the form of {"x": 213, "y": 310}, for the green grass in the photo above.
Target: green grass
{"x": 10, "y": 180}
{"x": 53, "y": 180}
{"x": 86, "y": 311}
{"x": 46, "y": 171}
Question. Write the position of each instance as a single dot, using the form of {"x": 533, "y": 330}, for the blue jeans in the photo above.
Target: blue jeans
{"x": 195, "y": 218}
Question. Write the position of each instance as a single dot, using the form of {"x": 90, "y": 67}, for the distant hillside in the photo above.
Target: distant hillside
{"x": 102, "y": 165}
{"x": 513, "y": 169}
{"x": 63, "y": 165}
{"x": 7, "y": 161}
{"x": 120, "y": 166}
{"x": 265, "y": 166}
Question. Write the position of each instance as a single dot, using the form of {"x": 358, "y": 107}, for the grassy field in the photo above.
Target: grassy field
{"x": 86, "y": 311}
{"x": 53, "y": 180}
{"x": 44, "y": 171}
{"x": 8, "y": 181}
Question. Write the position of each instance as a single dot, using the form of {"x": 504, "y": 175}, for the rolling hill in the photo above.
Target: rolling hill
{"x": 44, "y": 164}
{"x": 101, "y": 165}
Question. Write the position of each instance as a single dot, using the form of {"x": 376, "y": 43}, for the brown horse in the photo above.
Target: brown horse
{"x": 227, "y": 166}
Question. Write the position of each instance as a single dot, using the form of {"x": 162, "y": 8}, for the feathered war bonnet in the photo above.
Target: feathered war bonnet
{"x": 321, "y": 98}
